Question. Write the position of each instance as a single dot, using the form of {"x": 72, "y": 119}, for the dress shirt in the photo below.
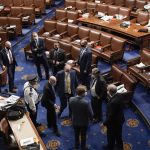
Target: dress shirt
{"x": 9, "y": 55}
{"x": 67, "y": 83}
{"x": 93, "y": 93}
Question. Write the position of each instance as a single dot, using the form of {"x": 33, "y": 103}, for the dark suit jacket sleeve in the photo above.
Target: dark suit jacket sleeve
{"x": 48, "y": 97}
{"x": 63, "y": 57}
{"x": 89, "y": 61}
{"x": 51, "y": 56}
{"x": 110, "y": 113}
{"x": 1, "y": 59}
{"x": 76, "y": 80}
{"x": 90, "y": 112}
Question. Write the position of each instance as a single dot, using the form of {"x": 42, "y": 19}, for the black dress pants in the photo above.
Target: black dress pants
{"x": 85, "y": 79}
{"x": 78, "y": 130}
{"x": 51, "y": 118}
{"x": 63, "y": 100}
{"x": 33, "y": 116}
{"x": 42, "y": 60}
{"x": 114, "y": 136}
{"x": 97, "y": 108}
{"x": 11, "y": 73}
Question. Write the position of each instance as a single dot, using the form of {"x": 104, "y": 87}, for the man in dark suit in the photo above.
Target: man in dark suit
{"x": 66, "y": 86}
{"x": 38, "y": 50}
{"x": 85, "y": 61}
{"x": 48, "y": 101}
{"x": 81, "y": 113}
{"x": 98, "y": 93}
{"x": 7, "y": 59}
{"x": 57, "y": 58}
{"x": 114, "y": 119}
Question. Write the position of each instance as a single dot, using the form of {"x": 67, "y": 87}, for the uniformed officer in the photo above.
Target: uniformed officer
{"x": 31, "y": 97}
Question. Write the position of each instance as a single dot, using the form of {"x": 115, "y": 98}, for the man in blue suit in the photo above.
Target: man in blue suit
{"x": 38, "y": 50}
{"x": 66, "y": 86}
{"x": 81, "y": 114}
{"x": 85, "y": 61}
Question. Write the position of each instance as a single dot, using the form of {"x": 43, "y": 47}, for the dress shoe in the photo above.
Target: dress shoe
{"x": 106, "y": 147}
{"x": 13, "y": 90}
{"x": 57, "y": 133}
{"x": 15, "y": 87}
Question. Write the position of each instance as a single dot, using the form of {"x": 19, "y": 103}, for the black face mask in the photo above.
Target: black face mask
{"x": 8, "y": 48}
{"x": 83, "y": 46}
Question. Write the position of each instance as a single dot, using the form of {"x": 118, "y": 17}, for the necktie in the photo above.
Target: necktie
{"x": 68, "y": 90}
{"x": 36, "y": 43}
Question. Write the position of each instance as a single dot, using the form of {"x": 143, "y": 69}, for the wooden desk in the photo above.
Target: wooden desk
{"x": 131, "y": 33}
{"x": 27, "y": 130}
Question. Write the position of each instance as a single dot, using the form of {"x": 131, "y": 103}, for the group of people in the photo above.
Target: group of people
{"x": 71, "y": 88}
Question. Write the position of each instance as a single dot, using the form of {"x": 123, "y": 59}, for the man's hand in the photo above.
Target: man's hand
{"x": 3, "y": 67}
{"x": 57, "y": 62}
{"x": 85, "y": 71}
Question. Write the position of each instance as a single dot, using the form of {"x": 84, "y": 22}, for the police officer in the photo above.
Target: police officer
{"x": 31, "y": 97}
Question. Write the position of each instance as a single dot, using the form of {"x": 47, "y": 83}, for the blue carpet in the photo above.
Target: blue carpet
{"x": 142, "y": 100}
{"x": 136, "y": 136}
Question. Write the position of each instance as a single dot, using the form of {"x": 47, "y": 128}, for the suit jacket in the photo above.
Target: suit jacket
{"x": 61, "y": 82}
{"x": 85, "y": 60}
{"x": 61, "y": 57}
{"x": 81, "y": 111}
{"x": 48, "y": 98}
{"x": 101, "y": 87}
{"x": 4, "y": 59}
{"x": 40, "y": 48}
{"x": 114, "y": 114}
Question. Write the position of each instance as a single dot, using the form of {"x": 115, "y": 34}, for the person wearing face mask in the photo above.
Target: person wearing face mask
{"x": 31, "y": 97}
{"x": 7, "y": 59}
{"x": 98, "y": 93}
{"x": 39, "y": 56}
{"x": 85, "y": 61}
{"x": 81, "y": 114}
{"x": 57, "y": 58}
{"x": 114, "y": 119}
{"x": 48, "y": 101}
{"x": 66, "y": 85}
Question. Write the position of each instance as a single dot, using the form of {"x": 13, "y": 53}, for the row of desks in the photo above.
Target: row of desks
{"x": 131, "y": 33}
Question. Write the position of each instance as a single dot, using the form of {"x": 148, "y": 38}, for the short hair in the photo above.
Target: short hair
{"x": 112, "y": 88}
{"x": 81, "y": 89}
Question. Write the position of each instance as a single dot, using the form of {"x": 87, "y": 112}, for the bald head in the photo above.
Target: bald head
{"x": 67, "y": 68}
{"x": 52, "y": 80}
{"x": 112, "y": 89}
{"x": 8, "y": 44}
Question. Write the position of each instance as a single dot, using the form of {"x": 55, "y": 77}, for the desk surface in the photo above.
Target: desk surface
{"x": 27, "y": 130}
{"x": 114, "y": 25}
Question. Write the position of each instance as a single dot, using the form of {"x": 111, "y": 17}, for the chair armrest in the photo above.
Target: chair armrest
{"x": 20, "y": 15}
{"x": 74, "y": 36}
{"x": 143, "y": 23}
{"x": 104, "y": 47}
{"x": 85, "y": 38}
{"x": 63, "y": 19}
{"x": 133, "y": 20}
{"x": 51, "y": 32}
{"x": 133, "y": 61}
{"x": 63, "y": 33}
{"x": 116, "y": 53}
{"x": 41, "y": 31}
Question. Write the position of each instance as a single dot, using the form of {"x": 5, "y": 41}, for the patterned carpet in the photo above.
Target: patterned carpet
{"x": 136, "y": 135}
